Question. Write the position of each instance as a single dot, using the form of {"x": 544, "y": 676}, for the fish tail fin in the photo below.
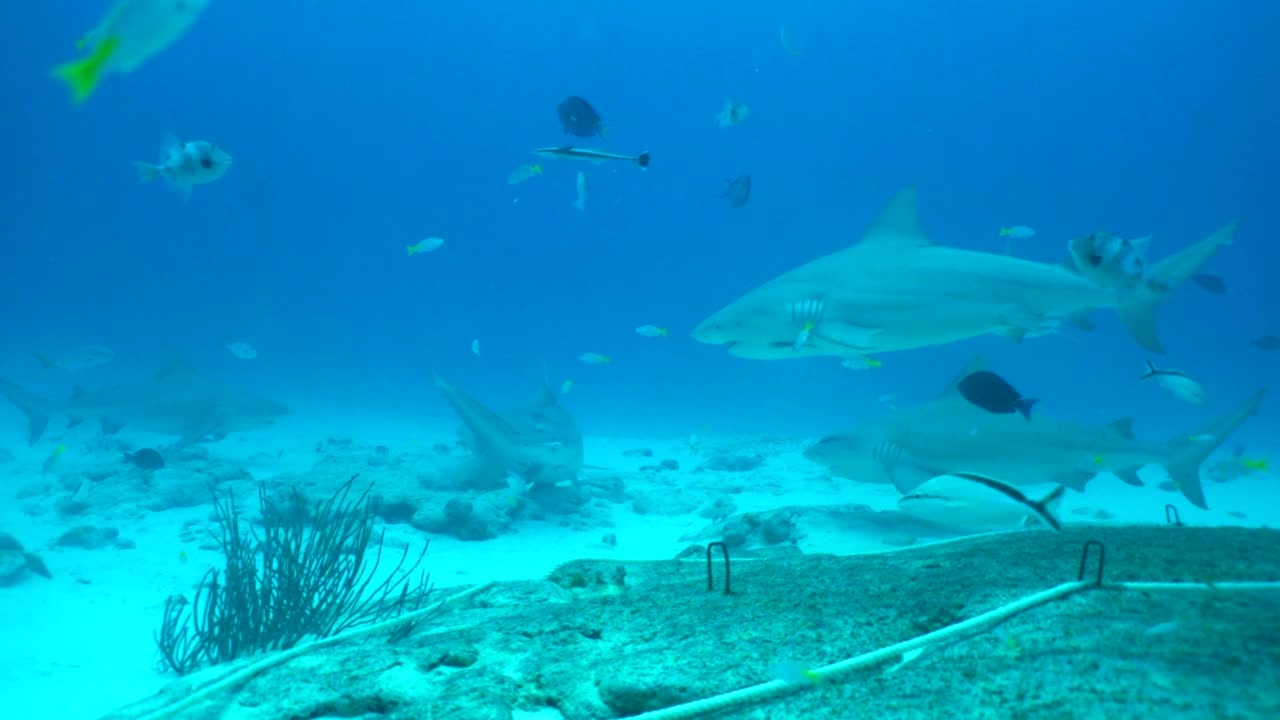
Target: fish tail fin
{"x": 1024, "y": 406}
{"x": 36, "y": 408}
{"x": 664, "y": 332}
{"x": 45, "y": 361}
{"x": 1188, "y": 455}
{"x": 1138, "y": 309}
{"x": 1151, "y": 370}
{"x": 82, "y": 76}
{"x": 409, "y": 250}
{"x": 643, "y": 159}
{"x": 148, "y": 172}
{"x": 1047, "y": 507}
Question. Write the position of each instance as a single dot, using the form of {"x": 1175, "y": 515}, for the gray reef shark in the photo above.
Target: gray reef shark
{"x": 176, "y": 401}
{"x": 949, "y": 435}
{"x": 538, "y": 442}
{"x": 895, "y": 290}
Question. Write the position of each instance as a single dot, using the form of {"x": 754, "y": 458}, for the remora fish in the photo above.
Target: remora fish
{"x": 894, "y": 290}
{"x": 977, "y": 502}
{"x": 176, "y": 401}
{"x": 577, "y": 153}
{"x": 539, "y": 443}
{"x": 911, "y": 445}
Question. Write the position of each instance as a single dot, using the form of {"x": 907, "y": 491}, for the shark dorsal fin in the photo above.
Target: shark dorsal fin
{"x": 1141, "y": 244}
{"x": 545, "y": 397}
{"x": 979, "y": 362}
{"x": 1123, "y": 426}
{"x": 175, "y": 365}
{"x": 898, "y": 225}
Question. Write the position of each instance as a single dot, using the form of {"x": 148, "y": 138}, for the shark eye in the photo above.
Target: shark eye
{"x": 206, "y": 163}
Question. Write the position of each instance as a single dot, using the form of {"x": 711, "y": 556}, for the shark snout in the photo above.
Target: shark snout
{"x": 713, "y": 332}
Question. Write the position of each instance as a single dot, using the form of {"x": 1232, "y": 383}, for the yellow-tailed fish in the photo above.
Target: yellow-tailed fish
{"x": 1259, "y": 464}
{"x": 522, "y": 173}
{"x": 802, "y": 337}
{"x": 861, "y": 363}
{"x": 592, "y": 358}
{"x": 131, "y": 33}
{"x": 425, "y": 245}
{"x": 651, "y": 331}
{"x": 52, "y": 460}
{"x": 565, "y": 387}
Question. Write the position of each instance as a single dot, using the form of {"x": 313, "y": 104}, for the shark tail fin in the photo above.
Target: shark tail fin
{"x": 1138, "y": 309}
{"x": 36, "y": 408}
{"x": 1189, "y": 453}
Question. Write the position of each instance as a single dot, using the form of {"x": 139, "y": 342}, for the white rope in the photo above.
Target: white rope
{"x": 240, "y": 676}
{"x": 1194, "y": 586}
{"x": 778, "y": 688}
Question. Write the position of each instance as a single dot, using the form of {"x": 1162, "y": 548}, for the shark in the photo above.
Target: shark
{"x": 895, "y": 290}
{"x": 539, "y": 441}
{"x": 946, "y": 435}
{"x": 177, "y": 400}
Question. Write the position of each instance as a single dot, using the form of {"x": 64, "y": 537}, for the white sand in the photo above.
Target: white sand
{"x": 80, "y": 645}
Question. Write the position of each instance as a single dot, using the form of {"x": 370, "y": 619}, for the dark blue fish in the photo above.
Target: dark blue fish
{"x": 738, "y": 191}
{"x": 994, "y": 394}
{"x": 1210, "y": 283}
{"x": 1267, "y": 342}
{"x": 577, "y": 117}
{"x": 145, "y": 459}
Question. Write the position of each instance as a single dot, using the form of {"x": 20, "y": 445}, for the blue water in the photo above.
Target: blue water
{"x": 360, "y": 128}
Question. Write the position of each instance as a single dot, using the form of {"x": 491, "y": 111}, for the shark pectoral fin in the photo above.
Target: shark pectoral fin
{"x": 847, "y": 334}
{"x": 1129, "y": 475}
{"x": 110, "y": 426}
{"x": 1074, "y": 479}
{"x": 1138, "y": 313}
